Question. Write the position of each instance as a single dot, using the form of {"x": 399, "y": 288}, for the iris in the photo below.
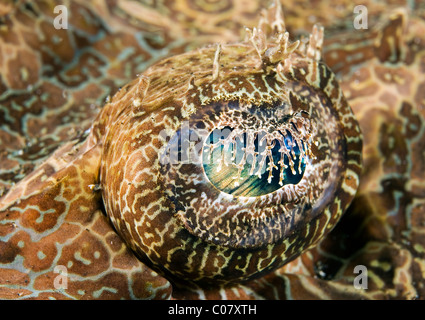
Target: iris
{"x": 251, "y": 163}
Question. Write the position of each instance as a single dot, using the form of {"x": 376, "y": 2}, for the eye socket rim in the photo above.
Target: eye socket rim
{"x": 287, "y": 195}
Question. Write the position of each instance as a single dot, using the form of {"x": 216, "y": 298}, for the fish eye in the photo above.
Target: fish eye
{"x": 241, "y": 165}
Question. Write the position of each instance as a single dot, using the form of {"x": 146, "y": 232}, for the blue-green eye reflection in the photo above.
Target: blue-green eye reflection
{"x": 251, "y": 164}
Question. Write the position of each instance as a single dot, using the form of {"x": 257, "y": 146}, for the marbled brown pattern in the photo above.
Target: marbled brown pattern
{"x": 53, "y": 81}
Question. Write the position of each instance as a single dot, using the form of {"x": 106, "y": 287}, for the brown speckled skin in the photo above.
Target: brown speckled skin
{"x": 51, "y": 87}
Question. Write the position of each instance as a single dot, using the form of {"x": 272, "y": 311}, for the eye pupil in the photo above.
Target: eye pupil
{"x": 251, "y": 163}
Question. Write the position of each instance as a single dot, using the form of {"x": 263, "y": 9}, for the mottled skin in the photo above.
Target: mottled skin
{"x": 381, "y": 78}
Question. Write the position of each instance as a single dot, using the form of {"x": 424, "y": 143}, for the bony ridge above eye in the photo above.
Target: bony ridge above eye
{"x": 193, "y": 205}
